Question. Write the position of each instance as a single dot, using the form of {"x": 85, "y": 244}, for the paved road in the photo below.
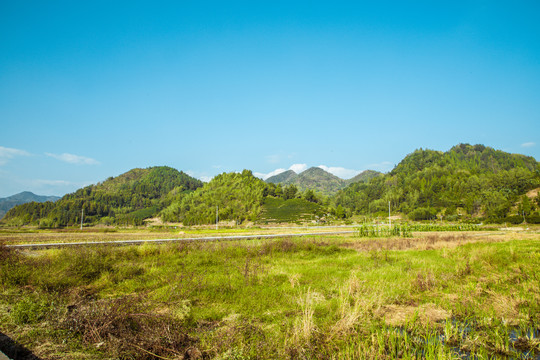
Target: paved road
{"x": 159, "y": 241}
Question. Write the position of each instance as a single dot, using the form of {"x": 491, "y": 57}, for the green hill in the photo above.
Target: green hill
{"x": 241, "y": 196}
{"x": 126, "y": 199}
{"x": 467, "y": 180}
{"x": 319, "y": 180}
{"x": 237, "y": 196}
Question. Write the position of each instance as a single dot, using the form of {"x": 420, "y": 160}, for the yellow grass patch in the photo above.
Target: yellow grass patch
{"x": 399, "y": 315}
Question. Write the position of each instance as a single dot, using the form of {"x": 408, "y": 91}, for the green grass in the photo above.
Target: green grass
{"x": 313, "y": 298}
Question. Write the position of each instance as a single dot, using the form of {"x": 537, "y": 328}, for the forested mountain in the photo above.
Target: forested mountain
{"x": 472, "y": 180}
{"x": 125, "y": 199}
{"x": 318, "y": 180}
{"x": 22, "y": 198}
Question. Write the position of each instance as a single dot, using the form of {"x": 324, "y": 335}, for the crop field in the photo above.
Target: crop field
{"x": 434, "y": 295}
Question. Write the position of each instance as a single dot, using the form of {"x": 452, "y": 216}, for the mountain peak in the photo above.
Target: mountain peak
{"x": 283, "y": 177}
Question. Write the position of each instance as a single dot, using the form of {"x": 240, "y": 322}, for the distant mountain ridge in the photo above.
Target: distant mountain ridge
{"x": 22, "y": 198}
{"x": 364, "y": 176}
{"x": 320, "y": 180}
{"x": 282, "y": 177}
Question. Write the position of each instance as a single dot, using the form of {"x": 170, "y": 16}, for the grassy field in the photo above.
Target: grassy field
{"x": 435, "y": 295}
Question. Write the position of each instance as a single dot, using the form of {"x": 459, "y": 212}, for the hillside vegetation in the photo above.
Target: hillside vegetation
{"x": 466, "y": 180}
{"x": 236, "y": 196}
{"x": 239, "y": 197}
{"x": 471, "y": 183}
{"x": 125, "y": 199}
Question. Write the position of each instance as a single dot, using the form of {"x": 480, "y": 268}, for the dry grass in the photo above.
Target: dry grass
{"x": 124, "y": 327}
{"x": 429, "y": 241}
{"x": 400, "y": 315}
{"x": 304, "y": 325}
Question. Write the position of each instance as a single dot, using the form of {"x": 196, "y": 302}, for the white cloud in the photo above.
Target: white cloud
{"x": 73, "y": 159}
{"x": 9, "y": 153}
{"x": 199, "y": 175}
{"x": 340, "y": 171}
{"x": 528, "y": 144}
{"x": 298, "y": 168}
{"x": 382, "y": 166}
{"x": 271, "y": 173}
{"x": 206, "y": 178}
{"x": 40, "y": 182}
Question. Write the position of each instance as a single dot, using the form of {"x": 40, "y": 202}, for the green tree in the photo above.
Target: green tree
{"x": 309, "y": 195}
{"x": 290, "y": 192}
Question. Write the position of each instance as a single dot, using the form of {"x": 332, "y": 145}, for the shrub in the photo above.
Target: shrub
{"x": 422, "y": 214}
{"x": 514, "y": 219}
{"x": 46, "y": 223}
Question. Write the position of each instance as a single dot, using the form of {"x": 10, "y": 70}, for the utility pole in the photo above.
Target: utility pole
{"x": 217, "y": 216}
{"x": 389, "y": 220}
{"x": 82, "y": 217}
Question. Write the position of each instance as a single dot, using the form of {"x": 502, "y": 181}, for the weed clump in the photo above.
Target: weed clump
{"x": 125, "y": 328}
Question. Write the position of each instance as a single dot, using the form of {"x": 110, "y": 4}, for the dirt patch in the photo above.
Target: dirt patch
{"x": 399, "y": 315}
{"x": 533, "y": 193}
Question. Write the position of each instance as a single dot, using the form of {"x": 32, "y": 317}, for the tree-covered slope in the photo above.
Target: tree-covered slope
{"x": 237, "y": 197}
{"x": 241, "y": 196}
{"x": 319, "y": 180}
{"x": 128, "y": 198}
{"x": 476, "y": 179}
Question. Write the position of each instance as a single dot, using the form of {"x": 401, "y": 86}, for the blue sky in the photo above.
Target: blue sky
{"x": 90, "y": 90}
